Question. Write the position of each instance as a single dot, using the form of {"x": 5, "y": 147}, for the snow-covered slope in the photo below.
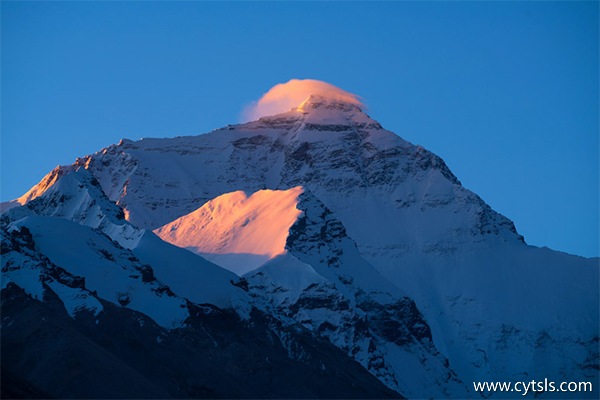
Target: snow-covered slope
{"x": 190, "y": 276}
{"x": 83, "y": 318}
{"x": 236, "y": 231}
{"x": 110, "y": 272}
{"x": 46, "y": 182}
{"x": 324, "y": 284}
{"x": 317, "y": 278}
{"x": 496, "y": 308}
{"x": 67, "y": 250}
{"x": 75, "y": 195}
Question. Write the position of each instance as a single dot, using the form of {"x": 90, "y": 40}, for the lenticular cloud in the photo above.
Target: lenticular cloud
{"x": 285, "y": 96}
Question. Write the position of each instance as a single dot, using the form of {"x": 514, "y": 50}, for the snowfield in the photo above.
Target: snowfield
{"x": 327, "y": 223}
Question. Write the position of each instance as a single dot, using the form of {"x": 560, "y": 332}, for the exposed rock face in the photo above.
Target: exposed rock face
{"x": 94, "y": 347}
{"x": 352, "y": 305}
{"x": 391, "y": 262}
{"x": 122, "y": 353}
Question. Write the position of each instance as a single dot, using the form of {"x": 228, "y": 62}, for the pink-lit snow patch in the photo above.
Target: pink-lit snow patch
{"x": 36, "y": 191}
{"x": 236, "y": 231}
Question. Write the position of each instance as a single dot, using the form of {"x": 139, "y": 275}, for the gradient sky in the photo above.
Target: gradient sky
{"x": 505, "y": 92}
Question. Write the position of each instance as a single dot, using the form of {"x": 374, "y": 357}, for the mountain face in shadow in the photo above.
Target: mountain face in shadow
{"x": 307, "y": 254}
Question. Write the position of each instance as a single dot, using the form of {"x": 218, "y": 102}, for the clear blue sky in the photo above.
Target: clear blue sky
{"x": 505, "y": 92}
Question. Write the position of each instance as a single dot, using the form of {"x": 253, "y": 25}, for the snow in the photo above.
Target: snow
{"x": 238, "y": 263}
{"x": 496, "y": 307}
{"x": 75, "y": 299}
{"x": 74, "y": 195}
{"x": 189, "y": 275}
{"x": 47, "y": 181}
{"x": 291, "y": 273}
{"x": 284, "y": 96}
{"x": 29, "y": 271}
{"x": 287, "y": 276}
{"x": 245, "y": 230}
{"x": 83, "y": 253}
{"x": 420, "y": 382}
{"x": 7, "y": 205}
{"x": 26, "y": 276}
{"x": 515, "y": 289}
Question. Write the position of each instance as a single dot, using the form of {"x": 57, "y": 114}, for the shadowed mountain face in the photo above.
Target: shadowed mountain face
{"x": 124, "y": 354}
{"x": 342, "y": 261}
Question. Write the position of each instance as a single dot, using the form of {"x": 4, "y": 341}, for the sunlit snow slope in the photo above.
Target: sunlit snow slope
{"x": 461, "y": 284}
{"x": 237, "y": 231}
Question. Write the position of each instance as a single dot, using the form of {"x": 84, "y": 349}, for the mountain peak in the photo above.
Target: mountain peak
{"x": 298, "y": 94}
{"x": 315, "y": 101}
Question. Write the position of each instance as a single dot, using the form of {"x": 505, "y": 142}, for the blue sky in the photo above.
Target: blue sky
{"x": 507, "y": 93}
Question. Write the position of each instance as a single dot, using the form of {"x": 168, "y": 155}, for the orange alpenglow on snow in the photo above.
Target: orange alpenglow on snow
{"x": 235, "y": 227}
{"x": 286, "y": 96}
{"x": 47, "y": 181}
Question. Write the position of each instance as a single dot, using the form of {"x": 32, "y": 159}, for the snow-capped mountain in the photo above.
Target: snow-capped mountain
{"x": 331, "y": 225}
{"x": 84, "y": 316}
{"x": 299, "y": 265}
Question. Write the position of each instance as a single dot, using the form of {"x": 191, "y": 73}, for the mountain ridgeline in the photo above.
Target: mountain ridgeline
{"x": 307, "y": 254}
